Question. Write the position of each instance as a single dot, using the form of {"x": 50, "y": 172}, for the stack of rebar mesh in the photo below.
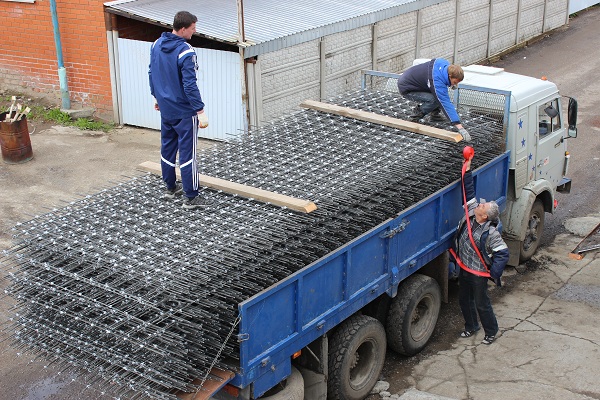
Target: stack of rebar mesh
{"x": 138, "y": 292}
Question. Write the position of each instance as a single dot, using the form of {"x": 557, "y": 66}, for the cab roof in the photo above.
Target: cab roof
{"x": 525, "y": 90}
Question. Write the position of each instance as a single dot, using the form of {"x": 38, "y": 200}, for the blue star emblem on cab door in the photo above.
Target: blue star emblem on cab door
{"x": 520, "y": 124}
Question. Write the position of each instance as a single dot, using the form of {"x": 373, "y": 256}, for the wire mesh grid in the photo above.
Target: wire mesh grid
{"x": 128, "y": 287}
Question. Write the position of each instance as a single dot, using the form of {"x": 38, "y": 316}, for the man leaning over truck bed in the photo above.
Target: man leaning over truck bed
{"x": 428, "y": 84}
{"x": 478, "y": 263}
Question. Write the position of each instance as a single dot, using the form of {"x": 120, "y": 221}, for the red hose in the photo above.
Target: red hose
{"x": 468, "y": 153}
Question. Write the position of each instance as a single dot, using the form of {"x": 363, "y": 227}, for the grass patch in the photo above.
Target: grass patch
{"x": 91, "y": 125}
{"x": 37, "y": 112}
{"x": 88, "y": 124}
{"x": 56, "y": 115}
{"x": 41, "y": 112}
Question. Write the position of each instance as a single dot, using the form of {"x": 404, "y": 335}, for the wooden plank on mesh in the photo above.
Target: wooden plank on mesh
{"x": 382, "y": 120}
{"x": 239, "y": 189}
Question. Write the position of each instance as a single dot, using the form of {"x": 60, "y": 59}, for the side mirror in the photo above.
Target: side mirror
{"x": 572, "y": 117}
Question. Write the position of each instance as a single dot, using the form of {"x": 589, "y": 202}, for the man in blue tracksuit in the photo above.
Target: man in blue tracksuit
{"x": 479, "y": 263}
{"x": 428, "y": 84}
{"x": 172, "y": 76}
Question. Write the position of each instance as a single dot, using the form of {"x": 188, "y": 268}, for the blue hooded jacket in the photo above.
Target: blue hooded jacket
{"x": 172, "y": 75}
{"x": 431, "y": 76}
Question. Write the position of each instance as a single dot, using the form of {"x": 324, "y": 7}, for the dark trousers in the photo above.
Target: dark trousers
{"x": 427, "y": 100}
{"x": 474, "y": 300}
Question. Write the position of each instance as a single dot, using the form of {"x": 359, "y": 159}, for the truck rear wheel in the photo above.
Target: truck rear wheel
{"x": 356, "y": 355}
{"x": 533, "y": 234}
{"x": 290, "y": 389}
{"x": 413, "y": 314}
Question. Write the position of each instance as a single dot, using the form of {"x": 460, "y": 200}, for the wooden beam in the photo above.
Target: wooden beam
{"x": 382, "y": 120}
{"x": 248, "y": 192}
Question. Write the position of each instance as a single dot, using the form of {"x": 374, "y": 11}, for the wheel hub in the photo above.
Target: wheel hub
{"x": 361, "y": 368}
{"x": 419, "y": 320}
{"x": 531, "y": 235}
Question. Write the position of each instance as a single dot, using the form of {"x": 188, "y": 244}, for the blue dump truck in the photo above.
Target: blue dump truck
{"x": 255, "y": 298}
{"x": 323, "y": 331}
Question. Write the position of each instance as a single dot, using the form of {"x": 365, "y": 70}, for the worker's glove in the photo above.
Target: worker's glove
{"x": 202, "y": 120}
{"x": 465, "y": 135}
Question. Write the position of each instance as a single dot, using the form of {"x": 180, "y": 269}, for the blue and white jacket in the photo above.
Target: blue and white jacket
{"x": 172, "y": 75}
{"x": 431, "y": 76}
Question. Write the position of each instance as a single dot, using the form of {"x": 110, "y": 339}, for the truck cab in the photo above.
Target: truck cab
{"x": 536, "y": 135}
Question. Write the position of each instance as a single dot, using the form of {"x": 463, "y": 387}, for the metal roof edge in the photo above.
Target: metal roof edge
{"x": 116, "y": 11}
{"x": 352, "y": 23}
{"x": 117, "y": 2}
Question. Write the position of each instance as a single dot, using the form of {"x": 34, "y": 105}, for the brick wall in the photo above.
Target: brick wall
{"x": 346, "y": 53}
{"x": 438, "y": 25}
{"x": 28, "y": 62}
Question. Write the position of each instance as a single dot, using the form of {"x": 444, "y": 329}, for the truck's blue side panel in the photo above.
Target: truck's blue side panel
{"x": 294, "y": 312}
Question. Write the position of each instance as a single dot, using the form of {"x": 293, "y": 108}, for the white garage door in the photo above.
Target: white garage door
{"x": 218, "y": 80}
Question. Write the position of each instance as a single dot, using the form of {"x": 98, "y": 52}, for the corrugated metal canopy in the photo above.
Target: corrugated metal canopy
{"x": 270, "y": 24}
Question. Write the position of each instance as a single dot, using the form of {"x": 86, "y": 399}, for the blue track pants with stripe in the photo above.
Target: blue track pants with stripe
{"x": 182, "y": 135}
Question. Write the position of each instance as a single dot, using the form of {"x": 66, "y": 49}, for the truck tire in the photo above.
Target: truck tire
{"x": 356, "y": 355}
{"x": 378, "y": 308}
{"x": 413, "y": 314}
{"x": 291, "y": 389}
{"x": 533, "y": 234}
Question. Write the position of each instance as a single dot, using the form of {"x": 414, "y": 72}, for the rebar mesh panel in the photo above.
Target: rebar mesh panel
{"x": 129, "y": 287}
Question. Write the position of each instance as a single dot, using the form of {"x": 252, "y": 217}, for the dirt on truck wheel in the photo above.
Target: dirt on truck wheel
{"x": 356, "y": 356}
{"x": 413, "y": 314}
{"x": 533, "y": 234}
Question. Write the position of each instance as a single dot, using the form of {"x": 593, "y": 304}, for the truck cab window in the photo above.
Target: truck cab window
{"x": 549, "y": 118}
